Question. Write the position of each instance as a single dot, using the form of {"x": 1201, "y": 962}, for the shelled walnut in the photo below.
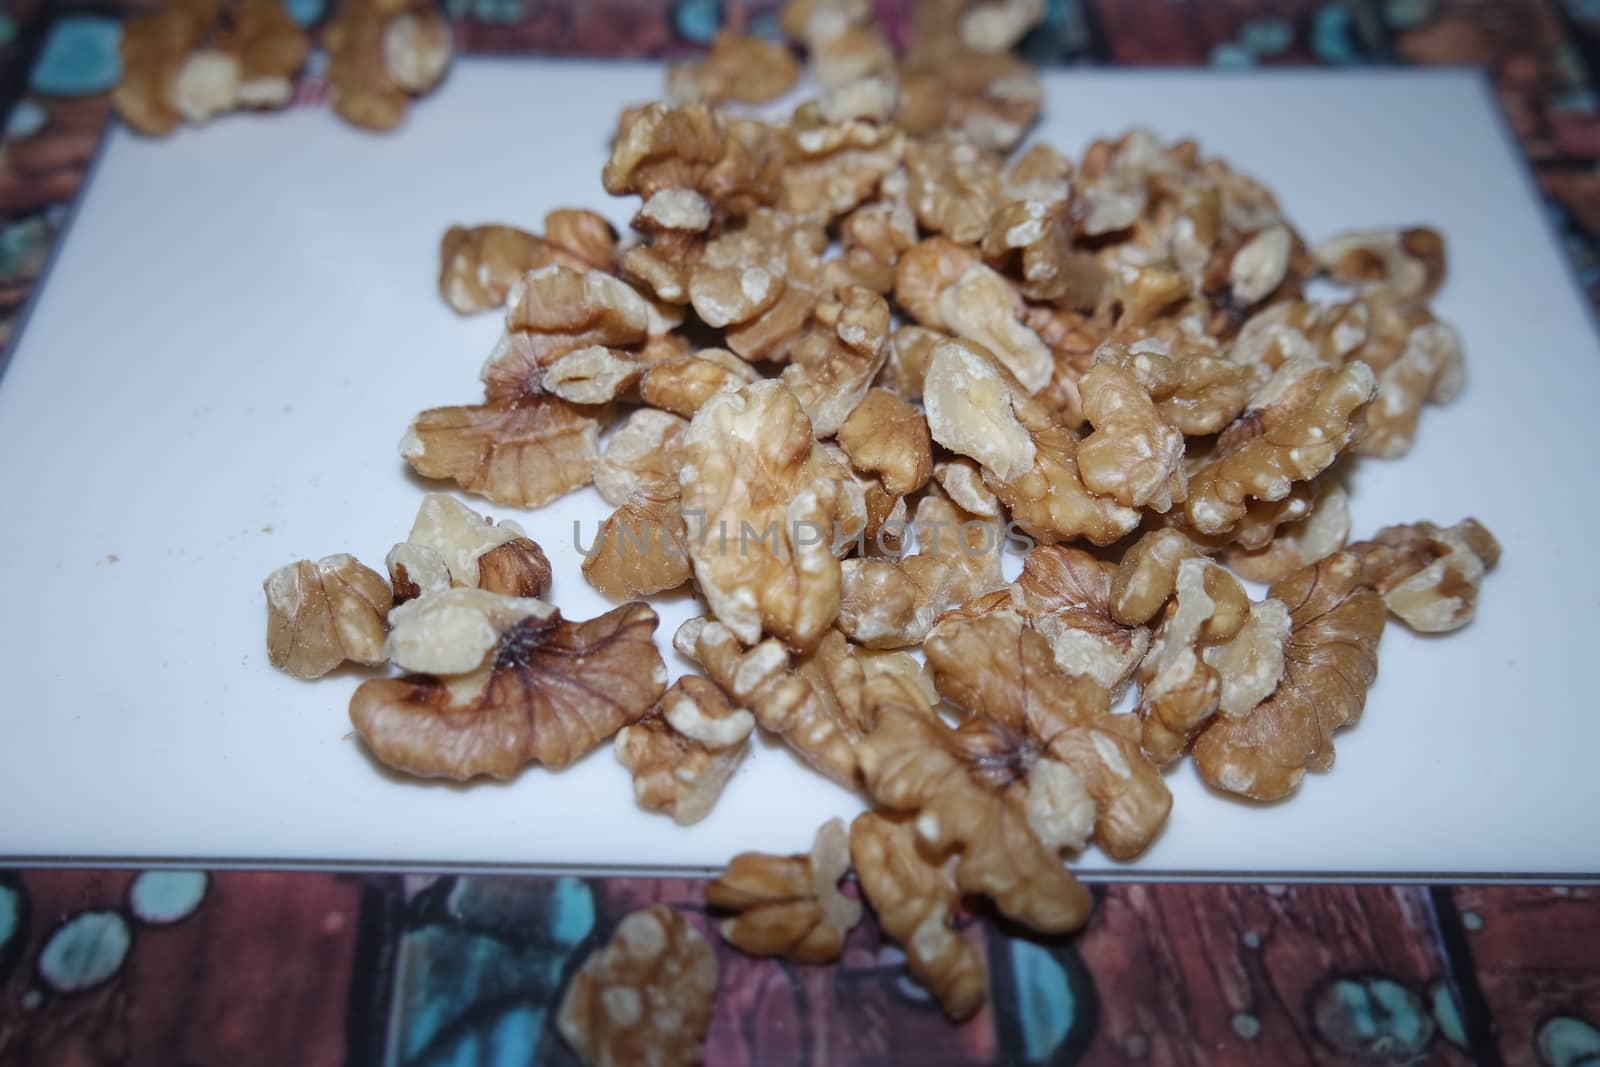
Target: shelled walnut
{"x": 450, "y": 544}
{"x": 684, "y": 751}
{"x": 1429, "y": 576}
{"x": 789, "y": 906}
{"x": 322, "y": 614}
{"x": 381, "y": 54}
{"x": 478, "y": 264}
{"x": 737, "y": 67}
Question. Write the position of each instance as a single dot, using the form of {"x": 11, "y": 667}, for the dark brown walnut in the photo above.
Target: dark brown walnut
{"x": 789, "y": 906}
{"x": 888, "y": 437}
{"x": 916, "y": 899}
{"x": 646, "y": 997}
{"x": 986, "y": 659}
{"x": 546, "y": 691}
{"x": 683, "y": 752}
{"x": 322, "y": 614}
{"x": 1330, "y": 659}
{"x": 1429, "y": 576}
{"x": 524, "y": 452}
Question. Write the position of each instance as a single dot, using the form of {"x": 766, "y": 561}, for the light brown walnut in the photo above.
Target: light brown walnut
{"x": 555, "y": 311}
{"x": 272, "y": 48}
{"x": 1133, "y": 455}
{"x": 872, "y": 238}
{"x": 323, "y": 614}
{"x": 833, "y": 365}
{"x": 680, "y": 384}
{"x": 910, "y": 351}
{"x": 154, "y": 49}
{"x": 1196, "y": 394}
{"x": 1330, "y": 658}
{"x": 1408, "y": 264}
{"x": 844, "y": 43}
{"x": 761, "y": 282}
{"x": 380, "y": 55}
{"x": 523, "y": 453}
{"x": 1031, "y": 241}
{"x": 834, "y": 164}
{"x": 504, "y": 682}
{"x": 1148, "y": 573}
{"x": 693, "y": 147}
{"x": 646, "y": 997}
{"x": 953, "y": 187}
{"x": 478, "y": 264}
{"x": 1429, "y": 576}
{"x": 888, "y": 437}
{"x": 761, "y": 499}
{"x": 971, "y": 410}
{"x": 738, "y": 67}
{"x": 916, "y": 900}
{"x": 642, "y": 548}
{"x": 1002, "y": 672}
{"x": 981, "y": 307}
{"x": 1306, "y": 441}
{"x": 891, "y": 603}
{"x": 1429, "y": 368}
{"x": 645, "y": 450}
{"x": 1065, "y": 594}
{"x": 990, "y": 99}
{"x": 592, "y": 375}
{"x": 962, "y": 481}
{"x": 1320, "y": 533}
{"x": 683, "y": 752}
{"x": 789, "y": 906}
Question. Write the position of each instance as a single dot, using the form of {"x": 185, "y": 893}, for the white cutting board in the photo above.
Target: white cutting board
{"x": 243, "y": 319}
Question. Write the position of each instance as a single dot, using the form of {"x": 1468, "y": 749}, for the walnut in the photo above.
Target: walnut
{"x": 1148, "y": 574}
{"x": 452, "y": 545}
{"x": 1196, "y": 394}
{"x": 380, "y": 55}
{"x": 520, "y": 684}
{"x": 926, "y": 271}
{"x": 1065, "y": 594}
{"x": 1259, "y": 267}
{"x": 680, "y": 384}
{"x": 478, "y": 264}
{"x": 892, "y": 603}
{"x": 954, "y": 187}
{"x": 762, "y": 500}
{"x": 962, "y": 482}
{"x": 970, "y": 407}
{"x": 1301, "y": 542}
{"x": 888, "y": 437}
{"x": 593, "y": 375}
{"x": 642, "y": 548}
{"x": 1031, "y": 239}
{"x": 1298, "y": 329}
{"x": 910, "y": 351}
{"x": 980, "y": 307}
{"x": 916, "y": 900}
{"x": 693, "y": 148}
{"x": 789, "y": 906}
{"x": 1304, "y": 443}
{"x": 833, "y": 165}
{"x": 997, "y": 25}
{"x": 737, "y": 67}
{"x": 322, "y": 614}
{"x": 1210, "y": 626}
{"x": 833, "y": 365}
{"x": 1430, "y": 368}
{"x": 555, "y": 311}
{"x": 840, "y": 36}
{"x": 154, "y": 49}
{"x": 1428, "y": 575}
{"x": 990, "y": 99}
{"x": 272, "y": 49}
{"x": 644, "y": 998}
{"x": 1133, "y": 456}
{"x": 684, "y": 751}
{"x": 646, "y": 450}
{"x": 1409, "y": 264}
{"x": 761, "y": 281}
{"x": 522, "y": 452}
{"x": 1330, "y": 658}
{"x": 814, "y": 704}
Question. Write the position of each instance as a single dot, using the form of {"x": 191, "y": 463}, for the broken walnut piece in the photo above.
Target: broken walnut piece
{"x": 1300, "y": 542}
{"x": 692, "y": 148}
{"x": 981, "y": 307}
{"x": 761, "y": 282}
{"x": 1133, "y": 455}
{"x": 763, "y": 500}
{"x": 991, "y": 99}
{"x": 1408, "y": 264}
{"x": 843, "y": 42}
{"x": 986, "y": 659}
{"x": 916, "y": 900}
{"x": 683, "y": 752}
{"x": 523, "y": 452}
{"x": 380, "y": 55}
{"x": 272, "y": 48}
{"x": 450, "y": 544}
{"x": 835, "y": 163}
{"x": 886, "y": 436}
{"x": 322, "y": 614}
{"x": 646, "y": 997}
{"x": 1429, "y": 368}
{"x": 478, "y": 264}
{"x": 923, "y": 274}
{"x": 503, "y": 682}
{"x": 154, "y": 49}
{"x": 789, "y": 906}
{"x": 953, "y": 188}
{"x": 1196, "y": 394}
{"x": 887, "y": 603}
{"x": 554, "y": 312}
{"x": 642, "y": 548}
{"x": 1148, "y": 573}
{"x": 681, "y": 383}
{"x": 737, "y": 67}
{"x": 1304, "y": 444}
{"x": 832, "y": 367}
{"x": 1065, "y": 594}
{"x": 1429, "y": 576}
{"x": 970, "y": 406}
{"x": 1330, "y": 659}
{"x": 644, "y": 451}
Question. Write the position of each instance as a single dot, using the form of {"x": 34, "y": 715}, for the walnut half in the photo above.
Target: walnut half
{"x": 321, "y": 614}
{"x": 789, "y": 906}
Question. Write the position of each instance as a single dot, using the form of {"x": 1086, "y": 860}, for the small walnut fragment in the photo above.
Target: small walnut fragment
{"x": 1065, "y": 593}
{"x": 953, "y": 187}
{"x": 737, "y": 67}
{"x": 841, "y": 38}
{"x": 761, "y": 281}
{"x": 1196, "y": 394}
{"x": 681, "y": 383}
{"x": 642, "y": 548}
{"x": 991, "y": 99}
{"x": 888, "y": 437}
{"x": 1320, "y": 533}
{"x": 478, "y": 264}
{"x": 323, "y": 614}
{"x": 970, "y": 407}
{"x": 916, "y": 900}
{"x": 646, "y": 997}
{"x": 644, "y": 451}
{"x": 1429, "y": 369}
{"x": 555, "y": 312}
{"x": 1132, "y": 456}
{"x": 982, "y": 308}
{"x": 997, "y": 25}
{"x": 834, "y": 163}
{"x": 892, "y": 603}
{"x": 684, "y": 751}
{"x": 789, "y": 906}
{"x": 381, "y": 54}
{"x": 505, "y": 682}
{"x": 1429, "y": 576}
{"x": 523, "y": 452}
{"x": 1329, "y": 661}
{"x": 1148, "y": 573}
{"x": 449, "y": 540}
{"x": 832, "y": 367}
{"x": 1408, "y": 264}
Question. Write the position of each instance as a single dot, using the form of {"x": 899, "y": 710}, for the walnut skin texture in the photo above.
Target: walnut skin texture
{"x": 916, "y": 900}
{"x": 478, "y": 264}
{"x": 645, "y": 997}
{"x": 522, "y": 453}
{"x": 789, "y": 906}
{"x": 1330, "y": 659}
{"x": 888, "y": 437}
{"x": 682, "y": 753}
{"x": 476, "y": 552}
{"x": 1429, "y": 576}
{"x": 321, "y": 614}
{"x": 548, "y": 692}
{"x": 1065, "y": 593}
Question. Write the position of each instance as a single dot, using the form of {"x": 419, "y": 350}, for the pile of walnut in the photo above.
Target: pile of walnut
{"x": 1114, "y": 359}
{"x": 194, "y": 60}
